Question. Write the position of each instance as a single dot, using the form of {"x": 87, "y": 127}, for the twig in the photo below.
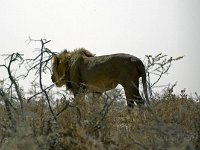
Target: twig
{"x": 104, "y": 111}
{"x": 40, "y": 63}
{"x": 8, "y": 110}
{"x": 138, "y": 144}
{"x": 43, "y": 42}
{"x": 29, "y": 99}
{"x": 12, "y": 58}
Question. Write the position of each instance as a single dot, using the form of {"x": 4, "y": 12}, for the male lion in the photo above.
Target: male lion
{"x": 81, "y": 69}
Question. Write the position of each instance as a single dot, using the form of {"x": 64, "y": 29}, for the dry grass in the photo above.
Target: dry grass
{"x": 101, "y": 124}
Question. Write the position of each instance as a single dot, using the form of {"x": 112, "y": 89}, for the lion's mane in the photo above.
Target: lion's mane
{"x": 68, "y": 59}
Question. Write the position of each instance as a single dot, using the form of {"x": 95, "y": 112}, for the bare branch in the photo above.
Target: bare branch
{"x": 158, "y": 65}
{"x": 8, "y": 110}
{"x": 12, "y": 58}
{"x": 36, "y": 94}
{"x": 40, "y": 63}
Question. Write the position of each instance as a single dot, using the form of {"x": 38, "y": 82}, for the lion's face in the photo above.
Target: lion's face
{"x": 59, "y": 66}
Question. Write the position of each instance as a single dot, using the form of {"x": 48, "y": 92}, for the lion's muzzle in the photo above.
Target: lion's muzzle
{"x": 53, "y": 79}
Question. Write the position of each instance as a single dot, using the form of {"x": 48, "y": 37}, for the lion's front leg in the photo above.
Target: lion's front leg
{"x": 78, "y": 90}
{"x": 75, "y": 89}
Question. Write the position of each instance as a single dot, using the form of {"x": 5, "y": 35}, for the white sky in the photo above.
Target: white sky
{"x": 138, "y": 27}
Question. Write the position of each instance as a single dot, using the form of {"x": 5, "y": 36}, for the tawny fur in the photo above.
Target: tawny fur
{"x": 81, "y": 68}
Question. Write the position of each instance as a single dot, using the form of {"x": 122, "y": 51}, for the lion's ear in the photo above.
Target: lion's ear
{"x": 66, "y": 51}
{"x": 55, "y": 60}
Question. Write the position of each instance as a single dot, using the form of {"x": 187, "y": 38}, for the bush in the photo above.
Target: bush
{"x": 105, "y": 124}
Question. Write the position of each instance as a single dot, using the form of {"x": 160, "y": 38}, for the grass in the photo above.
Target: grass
{"x": 104, "y": 124}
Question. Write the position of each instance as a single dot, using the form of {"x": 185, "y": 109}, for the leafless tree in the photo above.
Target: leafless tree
{"x": 15, "y": 57}
{"x": 39, "y": 64}
{"x": 158, "y": 66}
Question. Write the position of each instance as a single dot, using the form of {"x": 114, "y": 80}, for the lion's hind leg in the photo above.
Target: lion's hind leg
{"x": 133, "y": 95}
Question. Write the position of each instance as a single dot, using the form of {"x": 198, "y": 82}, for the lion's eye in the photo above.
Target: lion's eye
{"x": 58, "y": 62}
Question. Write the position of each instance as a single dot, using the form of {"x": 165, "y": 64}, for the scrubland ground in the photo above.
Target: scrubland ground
{"x": 43, "y": 122}
{"x": 103, "y": 123}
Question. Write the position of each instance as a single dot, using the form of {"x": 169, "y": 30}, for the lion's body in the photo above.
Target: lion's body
{"x": 102, "y": 73}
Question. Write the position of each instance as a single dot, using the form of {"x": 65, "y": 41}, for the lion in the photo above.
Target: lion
{"x": 82, "y": 69}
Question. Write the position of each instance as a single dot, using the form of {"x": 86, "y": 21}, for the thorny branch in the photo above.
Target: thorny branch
{"x": 40, "y": 63}
{"x": 12, "y": 58}
{"x": 67, "y": 105}
{"x": 108, "y": 102}
{"x": 38, "y": 93}
{"x": 158, "y": 65}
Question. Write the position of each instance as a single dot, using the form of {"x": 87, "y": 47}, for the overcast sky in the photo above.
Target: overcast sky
{"x": 138, "y": 27}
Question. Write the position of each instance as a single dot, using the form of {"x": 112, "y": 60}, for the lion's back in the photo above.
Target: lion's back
{"x": 113, "y": 68}
{"x": 113, "y": 61}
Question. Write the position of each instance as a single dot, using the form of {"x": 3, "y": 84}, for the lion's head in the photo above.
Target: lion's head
{"x": 61, "y": 65}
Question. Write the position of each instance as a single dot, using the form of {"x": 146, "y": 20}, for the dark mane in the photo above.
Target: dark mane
{"x": 82, "y": 51}
{"x": 70, "y": 57}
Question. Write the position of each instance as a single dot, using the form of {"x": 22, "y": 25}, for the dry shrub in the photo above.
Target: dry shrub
{"x": 138, "y": 130}
{"x": 104, "y": 123}
{"x": 176, "y": 110}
